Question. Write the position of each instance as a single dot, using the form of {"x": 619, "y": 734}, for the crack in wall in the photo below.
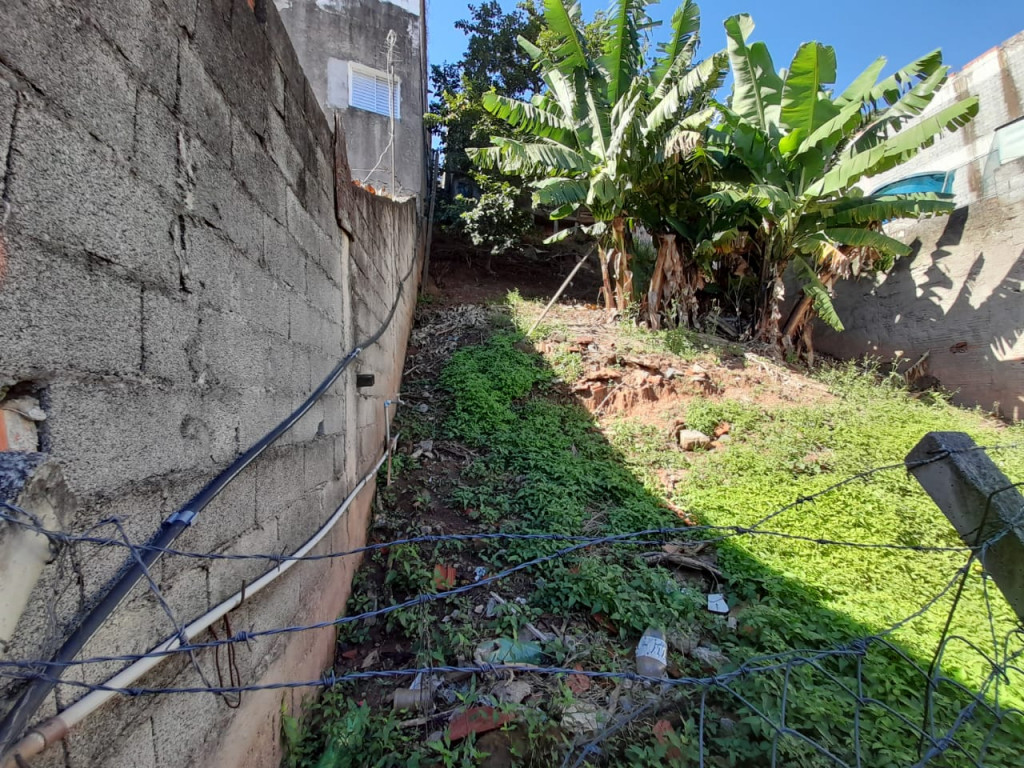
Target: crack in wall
{"x": 8, "y": 177}
{"x": 143, "y": 355}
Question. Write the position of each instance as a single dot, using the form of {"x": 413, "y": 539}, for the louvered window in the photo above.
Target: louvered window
{"x": 370, "y": 90}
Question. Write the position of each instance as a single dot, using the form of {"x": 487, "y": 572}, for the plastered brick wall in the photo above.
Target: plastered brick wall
{"x": 176, "y": 284}
{"x": 959, "y": 298}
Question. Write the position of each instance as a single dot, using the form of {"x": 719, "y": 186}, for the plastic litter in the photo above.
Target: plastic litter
{"x": 717, "y": 604}
{"x": 506, "y": 651}
{"x": 652, "y": 654}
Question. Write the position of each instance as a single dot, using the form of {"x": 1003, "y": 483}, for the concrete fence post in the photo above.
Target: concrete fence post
{"x": 984, "y": 506}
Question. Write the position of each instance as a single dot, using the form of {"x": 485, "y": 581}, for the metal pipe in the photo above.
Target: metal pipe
{"x": 38, "y": 689}
{"x": 57, "y": 727}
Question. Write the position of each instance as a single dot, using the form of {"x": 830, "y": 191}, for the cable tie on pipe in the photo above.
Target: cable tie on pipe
{"x": 182, "y": 516}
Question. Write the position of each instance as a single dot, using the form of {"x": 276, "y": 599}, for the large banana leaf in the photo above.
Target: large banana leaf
{"x": 533, "y": 159}
{"x": 528, "y": 118}
{"x": 857, "y": 92}
{"x": 560, "y": 192}
{"x": 676, "y": 54}
{"x": 890, "y": 120}
{"x": 896, "y": 149}
{"x": 884, "y": 208}
{"x": 757, "y": 87}
{"x": 827, "y": 136}
{"x": 759, "y": 195}
{"x": 814, "y": 288}
{"x": 803, "y": 106}
{"x": 858, "y": 237}
{"x": 892, "y": 88}
{"x": 705, "y": 78}
{"x": 566, "y": 20}
{"x": 623, "y": 55}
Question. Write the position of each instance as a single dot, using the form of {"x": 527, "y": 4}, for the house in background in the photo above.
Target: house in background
{"x": 954, "y": 309}
{"x": 985, "y": 159}
{"x": 367, "y": 59}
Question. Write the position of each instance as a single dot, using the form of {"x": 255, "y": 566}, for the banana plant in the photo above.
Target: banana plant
{"x": 606, "y": 119}
{"x": 789, "y": 153}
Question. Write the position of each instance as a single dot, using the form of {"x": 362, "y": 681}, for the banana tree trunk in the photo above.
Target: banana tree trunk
{"x": 604, "y": 256}
{"x": 623, "y": 274}
{"x": 800, "y": 316}
{"x": 666, "y": 252}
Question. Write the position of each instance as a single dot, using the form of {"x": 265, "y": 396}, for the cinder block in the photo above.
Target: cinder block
{"x": 277, "y": 86}
{"x": 98, "y": 327}
{"x": 140, "y": 510}
{"x": 308, "y": 427}
{"x": 70, "y": 189}
{"x": 182, "y": 13}
{"x": 260, "y": 410}
{"x": 243, "y": 223}
{"x": 295, "y": 119}
{"x": 132, "y": 432}
{"x": 286, "y": 368}
{"x": 335, "y": 414}
{"x": 297, "y": 522}
{"x": 182, "y": 735}
{"x": 256, "y": 170}
{"x": 68, "y": 60}
{"x": 133, "y": 748}
{"x": 243, "y": 76}
{"x": 263, "y": 301}
{"x": 302, "y": 226}
{"x": 202, "y": 105}
{"x": 228, "y": 576}
{"x": 305, "y": 324}
{"x": 283, "y": 152}
{"x": 234, "y": 351}
{"x": 331, "y": 254}
{"x": 322, "y": 292}
{"x": 211, "y": 259}
{"x": 319, "y": 462}
{"x": 226, "y": 518}
{"x": 283, "y": 255}
{"x": 276, "y": 475}
{"x": 143, "y": 33}
{"x": 155, "y": 150}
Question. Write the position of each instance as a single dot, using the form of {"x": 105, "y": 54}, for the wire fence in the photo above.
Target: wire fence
{"x": 960, "y": 721}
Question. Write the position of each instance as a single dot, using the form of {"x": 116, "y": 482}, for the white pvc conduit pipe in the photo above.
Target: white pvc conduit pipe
{"x": 57, "y": 727}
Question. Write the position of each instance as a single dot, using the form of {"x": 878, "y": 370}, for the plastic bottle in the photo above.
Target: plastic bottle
{"x": 652, "y": 654}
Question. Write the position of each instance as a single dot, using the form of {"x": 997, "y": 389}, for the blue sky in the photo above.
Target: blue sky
{"x": 860, "y": 31}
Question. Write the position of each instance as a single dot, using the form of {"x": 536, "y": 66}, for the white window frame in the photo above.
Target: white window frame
{"x": 355, "y": 69}
{"x": 1010, "y": 141}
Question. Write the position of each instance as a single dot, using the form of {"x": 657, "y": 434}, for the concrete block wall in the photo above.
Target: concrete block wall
{"x": 176, "y": 284}
{"x": 959, "y": 297}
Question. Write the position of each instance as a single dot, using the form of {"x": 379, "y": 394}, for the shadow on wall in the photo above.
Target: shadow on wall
{"x": 959, "y": 298}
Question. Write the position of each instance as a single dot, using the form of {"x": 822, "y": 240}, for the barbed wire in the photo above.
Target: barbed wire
{"x": 1001, "y": 661}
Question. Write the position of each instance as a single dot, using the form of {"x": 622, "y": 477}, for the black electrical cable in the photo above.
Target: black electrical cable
{"x": 38, "y": 689}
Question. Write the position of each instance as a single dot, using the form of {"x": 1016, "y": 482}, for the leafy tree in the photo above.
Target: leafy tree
{"x": 491, "y": 62}
{"x": 607, "y": 118}
{"x": 787, "y": 155}
{"x": 497, "y": 221}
